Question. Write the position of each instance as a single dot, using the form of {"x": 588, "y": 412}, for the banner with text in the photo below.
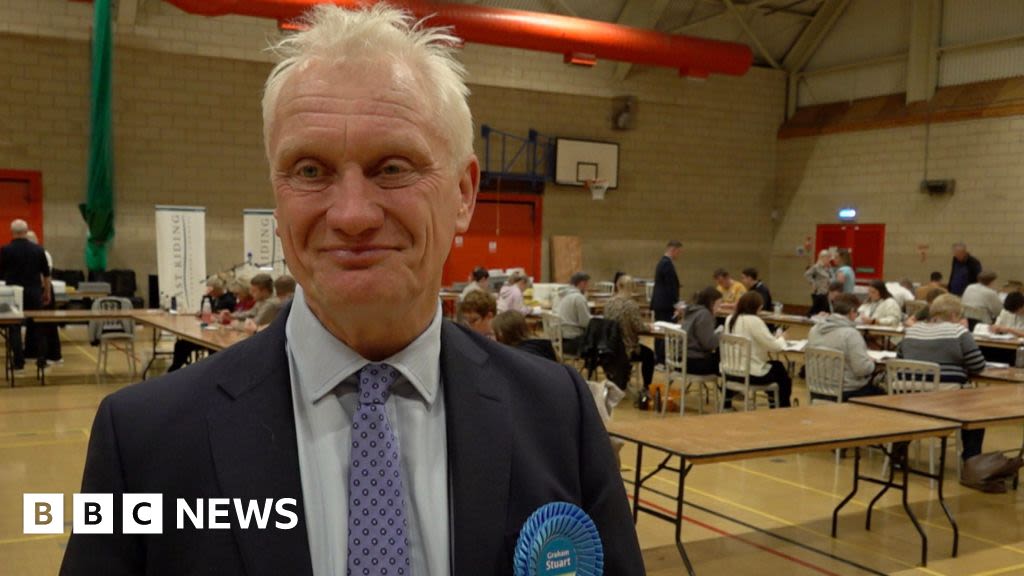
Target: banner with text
{"x": 262, "y": 246}
{"x": 181, "y": 255}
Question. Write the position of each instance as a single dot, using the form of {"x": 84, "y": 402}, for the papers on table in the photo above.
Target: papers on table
{"x": 881, "y": 355}
{"x": 664, "y": 324}
{"x": 996, "y": 365}
{"x": 986, "y": 331}
{"x": 795, "y": 345}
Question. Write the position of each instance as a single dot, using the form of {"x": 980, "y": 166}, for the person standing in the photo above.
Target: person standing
{"x": 23, "y": 263}
{"x": 964, "y": 271}
{"x": 46, "y": 331}
{"x": 666, "y": 291}
{"x": 845, "y": 273}
{"x": 820, "y": 275}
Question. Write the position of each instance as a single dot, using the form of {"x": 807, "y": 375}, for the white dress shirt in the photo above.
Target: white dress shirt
{"x": 323, "y": 379}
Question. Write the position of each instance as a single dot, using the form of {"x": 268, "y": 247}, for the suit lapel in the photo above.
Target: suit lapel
{"x": 254, "y": 451}
{"x": 479, "y": 452}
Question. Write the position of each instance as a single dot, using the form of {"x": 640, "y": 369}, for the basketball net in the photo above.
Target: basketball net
{"x": 597, "y": 188}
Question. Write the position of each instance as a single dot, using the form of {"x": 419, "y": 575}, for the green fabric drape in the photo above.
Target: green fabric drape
{"x": 98, "y": 208}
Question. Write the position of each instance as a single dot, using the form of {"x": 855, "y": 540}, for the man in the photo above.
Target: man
{"x": 622, "y": 308}
{"x": 477, "y": 311}
{"x": 750, "y": 281}
{"x": 48, "y": 331}
{"x": 834, "y": 290}
{"x": 574, "y": 312}
{"x": 220, "y": 300}
{"x": 964, "y": 271}
{"x": 730, "y": 291}
{"x": 981, "y": 302}
{"x": 666, "y": 291}
{"x": 262, "y": 289}
{"x": 838, "y": 331}
{"x": 480, "y": 279}
{"x": 902, "y": 291}
{"x": 23, "y": 263}
{"x": 284, "y": 290}
{"x": 369, "y": 141}
{"x": 934, "y": 283}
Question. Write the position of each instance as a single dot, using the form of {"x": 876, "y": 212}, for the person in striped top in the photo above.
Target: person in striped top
{"x": 945, "y": 340}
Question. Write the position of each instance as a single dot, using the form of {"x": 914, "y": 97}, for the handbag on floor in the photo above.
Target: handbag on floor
{"x": 990, "y": 472}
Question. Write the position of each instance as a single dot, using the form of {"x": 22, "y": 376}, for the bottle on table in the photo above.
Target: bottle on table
{"x": 207, "y": 313}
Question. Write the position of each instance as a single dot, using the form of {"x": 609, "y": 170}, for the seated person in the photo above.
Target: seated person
{"x": 266, "y": 308}
{"x": 479, "y": 279}
{"x": 622, "y": 308}
{"x": 881, "y": 308}
{"x": 934, "y": 282}
{"x": 220, "y": 300}
{"x": 243, "y": 298}
{"x": 701, "y": 334}
{"x": 945, "y": 340}
{"x": 922, "y": 315}
{"x": 981, "y": 301}
{"x": 477, "y": 311}
{"x": 510, "y": 329}
{"x": 284, "y": 291}
{"x": 1011, "y": 318}
{"x": 902, "y": 291}
{"x": 731, "y": 291}
{"x": 511, "y": 295}
{"x": 574, "y": 312}
{"x": 838, "y": 331}
{"x": 750, "y": 281}
{"x": 834, "y": 290}
{"x": 745, "y": 322}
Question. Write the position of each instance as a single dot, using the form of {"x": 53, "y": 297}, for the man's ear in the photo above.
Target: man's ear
{"x": 469, "y": 186}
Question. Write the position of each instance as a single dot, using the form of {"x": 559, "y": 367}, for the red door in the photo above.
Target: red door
{"x": 866, "y": 243}
{"x": 21, "y": 196}
{"x": 503, "y": 234}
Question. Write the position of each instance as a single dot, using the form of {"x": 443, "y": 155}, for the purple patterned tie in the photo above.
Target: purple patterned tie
{"x": 378, "y": 537}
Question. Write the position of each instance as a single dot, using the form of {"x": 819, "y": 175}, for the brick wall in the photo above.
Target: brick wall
{"x": 700, "y": 166}
{"x": 879, "y": 172}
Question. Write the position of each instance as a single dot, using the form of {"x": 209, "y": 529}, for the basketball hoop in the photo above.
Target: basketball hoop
{"x": 597, "y": 188}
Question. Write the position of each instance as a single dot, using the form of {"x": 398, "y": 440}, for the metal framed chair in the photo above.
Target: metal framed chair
{"x": 825, "y": 368}
{"x": 110, "y": 331}
{"x": 735, "y": 371}
{"x": 911, "y": 377}
{"x": 603, "y": 289}
{"x": 676, "y": 346}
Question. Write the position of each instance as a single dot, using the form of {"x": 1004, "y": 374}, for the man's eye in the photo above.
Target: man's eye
{"x": 391, "y": 169}
{"x": 309, "y": 171}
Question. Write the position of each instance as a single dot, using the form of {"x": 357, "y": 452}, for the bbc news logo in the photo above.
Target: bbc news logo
{"x": 144, "y": 513}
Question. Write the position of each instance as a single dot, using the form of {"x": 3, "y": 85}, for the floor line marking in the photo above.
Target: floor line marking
{"x": 42, "y": 443}
{"x": 1003, "y": 570}
{"x": 33, "y": 538}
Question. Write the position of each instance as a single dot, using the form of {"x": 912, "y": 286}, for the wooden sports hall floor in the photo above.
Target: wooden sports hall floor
{"x": 766, "y": 516}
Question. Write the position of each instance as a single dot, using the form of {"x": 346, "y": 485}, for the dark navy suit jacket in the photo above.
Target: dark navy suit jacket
{"x": 666, "y": 286}
{"x": 522, "y": 432}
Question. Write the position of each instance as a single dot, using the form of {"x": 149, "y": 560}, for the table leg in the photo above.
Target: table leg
{"x": 9, "y": 354}
{"x": 886, "y": 484}
{"x": 152, "y": 357}
{"x": 900, "y": 454}
{"x": 853, "y": 492}
{"x": 942, "y": 501}
{"x": 40, "y": 351}
{"x": 684, "y": 470}
{"x": 636, "y": 483}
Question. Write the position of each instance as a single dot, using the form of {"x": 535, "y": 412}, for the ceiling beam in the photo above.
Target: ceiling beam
{"x": 750, "y": 34}
{"x": 561, "y": 6}
{"x": 923, "y": 56}
{"x": 638, "y": 14}
{"x": 807, "y": 44}
{"x": 755, "y": 5}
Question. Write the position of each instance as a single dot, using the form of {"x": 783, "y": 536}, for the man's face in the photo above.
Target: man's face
{"x": 674, "y": 252}
{"x": 583, "y": 286}
{"x": 833, "y": 294}
{"x": 259, "y": 294}
{"x": 747, "y": 281}
{"x": 479, "y": 324}
{"x": 960, "y": 253}
{"x": 368, "y": 198}
{"x": 724, "y": 281}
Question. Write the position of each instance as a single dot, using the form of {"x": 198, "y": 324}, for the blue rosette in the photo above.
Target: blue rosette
{"x": 559, "y": 539}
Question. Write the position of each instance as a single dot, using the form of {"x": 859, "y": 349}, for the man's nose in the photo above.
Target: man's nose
{"x": 355, "y": 207}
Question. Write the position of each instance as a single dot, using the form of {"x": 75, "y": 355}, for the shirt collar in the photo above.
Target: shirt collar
{"x": 322, "y": 361}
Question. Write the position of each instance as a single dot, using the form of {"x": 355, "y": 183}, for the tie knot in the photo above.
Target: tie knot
{"x": 375, "y": 382}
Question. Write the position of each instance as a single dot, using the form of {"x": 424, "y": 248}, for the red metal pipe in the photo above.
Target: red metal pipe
{"x": 529, "y": 30}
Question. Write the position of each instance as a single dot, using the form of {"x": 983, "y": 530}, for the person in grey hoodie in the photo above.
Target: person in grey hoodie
{"x": 701, "y": 337}
{"x": 838, "y": 331}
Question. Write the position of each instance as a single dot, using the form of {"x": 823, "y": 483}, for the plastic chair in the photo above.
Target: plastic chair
{"x": 735, "y": 371}
{"x": 911, "y": 377}
{"x": 603, "y": 289}
{"x": 825, "y": 370}
{"x": 675, "y": 367}
{"x": 110, "y": 331}
{"x": 552, "y": 325}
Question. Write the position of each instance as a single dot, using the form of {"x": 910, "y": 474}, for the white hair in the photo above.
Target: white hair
{"x": 336, "y": 35}
{"x": 19, "y": 226}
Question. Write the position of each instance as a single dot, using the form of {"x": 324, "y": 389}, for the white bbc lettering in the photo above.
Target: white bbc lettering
{"x": 252, "y": 509}
{"x": 142, "y": 514}
{"x": 92, "y": 513}
{"x": 218, "y": 509}
{"x": 195, "y": 517}
{"x": 43, "y": 513}
{"x": 293, "y": 518}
